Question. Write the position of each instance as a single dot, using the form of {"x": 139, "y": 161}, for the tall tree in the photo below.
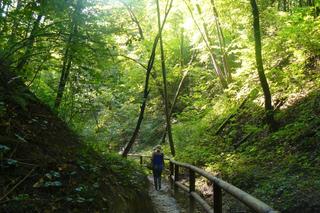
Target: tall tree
{"x": 212, "y": 54}
{"x": 185, "y": 74}
{"x": 263, "y": 80}
{"x": 222, "y": 43}
{"x": 69, "y": 51}
{"x": 146, "y": 85}
{"x": 15, "y": 24}
{"x": 164, "y": 76}
{"x": 224, "y": 63}
{"x": 134, "y": 19}
{"x": 30, "y": 42}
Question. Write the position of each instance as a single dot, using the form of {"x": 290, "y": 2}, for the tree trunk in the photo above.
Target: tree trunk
{"x": 174, "y": 103}
{"x": 181, "y": 47}
{"x": 4, "y": 9}
{"x": 215, "y": 64}
{"x": 15, "y": 25}
{"x": 145, "y": 97}
{"x": 28, "y": 49}
{"x": 310, "y": 3}
{"x": 177, "y": 95}
{"x": 226, "y": 72}
{"x": 222, "y": 44}
{"x": 67, "y": 62}
{"x": 68, "y": 56}
{"x": 146, "y": 86}
{"x": 285, "y": 6}
{"x": 263, "y": 80}
{"x": 164, "y": 76}
{"x": 134, "y": 19}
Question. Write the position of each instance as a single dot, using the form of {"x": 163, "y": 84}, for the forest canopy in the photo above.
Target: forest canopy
{"x": 88, "y": 59}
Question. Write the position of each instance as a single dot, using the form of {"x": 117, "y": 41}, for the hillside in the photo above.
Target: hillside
{"x": 280, "y": 167}
{"x": 46, "y": 168}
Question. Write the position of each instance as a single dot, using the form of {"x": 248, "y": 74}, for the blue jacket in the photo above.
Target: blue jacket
{"x": 157, "y": 160}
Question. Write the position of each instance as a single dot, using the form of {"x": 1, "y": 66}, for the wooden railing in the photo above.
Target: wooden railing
{"x": 218, "y": 185}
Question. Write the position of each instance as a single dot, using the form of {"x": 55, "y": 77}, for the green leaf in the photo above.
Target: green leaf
{"x": 12, "y": 162}
{"x": 4, "y": 148}
{"x": 52, "y": 184}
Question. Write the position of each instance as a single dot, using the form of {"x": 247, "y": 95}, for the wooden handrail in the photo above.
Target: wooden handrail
{"x": 218, "y": 185}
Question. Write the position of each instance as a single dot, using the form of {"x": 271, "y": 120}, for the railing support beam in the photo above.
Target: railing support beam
{"x": 176, "y": 172}
{"x": 192, "y": 181}
{"x": 217, "y": 198}
{"x": 171, "y": 167}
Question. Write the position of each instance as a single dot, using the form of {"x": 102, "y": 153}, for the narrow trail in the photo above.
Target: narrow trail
{"x": 168, "y": 200}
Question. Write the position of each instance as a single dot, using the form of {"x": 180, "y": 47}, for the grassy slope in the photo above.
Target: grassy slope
{"x": 280, "y": 168}
{"x": 61, "y": 173}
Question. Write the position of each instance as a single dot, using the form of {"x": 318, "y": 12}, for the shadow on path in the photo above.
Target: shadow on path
{"x": 170, "y": 200}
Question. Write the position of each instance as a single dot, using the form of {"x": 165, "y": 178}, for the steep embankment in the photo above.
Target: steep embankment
{"x": 281, "y": 168}
{"x": 46, "y": 168}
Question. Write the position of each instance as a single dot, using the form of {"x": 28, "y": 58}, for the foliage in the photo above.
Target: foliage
{"x": 97, "y": 49}
{"x": 54, "y": 171}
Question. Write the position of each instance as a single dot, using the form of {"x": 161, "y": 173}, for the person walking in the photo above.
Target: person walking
{"x": 157, "y": 161}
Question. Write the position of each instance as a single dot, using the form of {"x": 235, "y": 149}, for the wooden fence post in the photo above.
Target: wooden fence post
{"x": 192, "y": 181}
{"x": 176, "y": 172}
{"x": 171, "y": 168}
{"x": 217, "y": 198}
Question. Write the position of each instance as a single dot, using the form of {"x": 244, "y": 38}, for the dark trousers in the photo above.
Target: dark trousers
{"x": 157, "y": 177}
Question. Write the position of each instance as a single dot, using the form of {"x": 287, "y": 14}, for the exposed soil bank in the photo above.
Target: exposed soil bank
{"x": 46, "y": 168}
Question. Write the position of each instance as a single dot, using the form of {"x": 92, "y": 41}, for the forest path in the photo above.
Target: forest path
{"x": 162, "y": 200}
{"x": 169, "y": 200}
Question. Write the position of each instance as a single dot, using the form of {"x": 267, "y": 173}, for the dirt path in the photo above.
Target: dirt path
{"x": 162, "y": 200}
{"x": 167, "y": 200}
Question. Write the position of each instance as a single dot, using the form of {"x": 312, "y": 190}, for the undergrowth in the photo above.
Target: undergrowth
{"x": 277, "y": 167}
